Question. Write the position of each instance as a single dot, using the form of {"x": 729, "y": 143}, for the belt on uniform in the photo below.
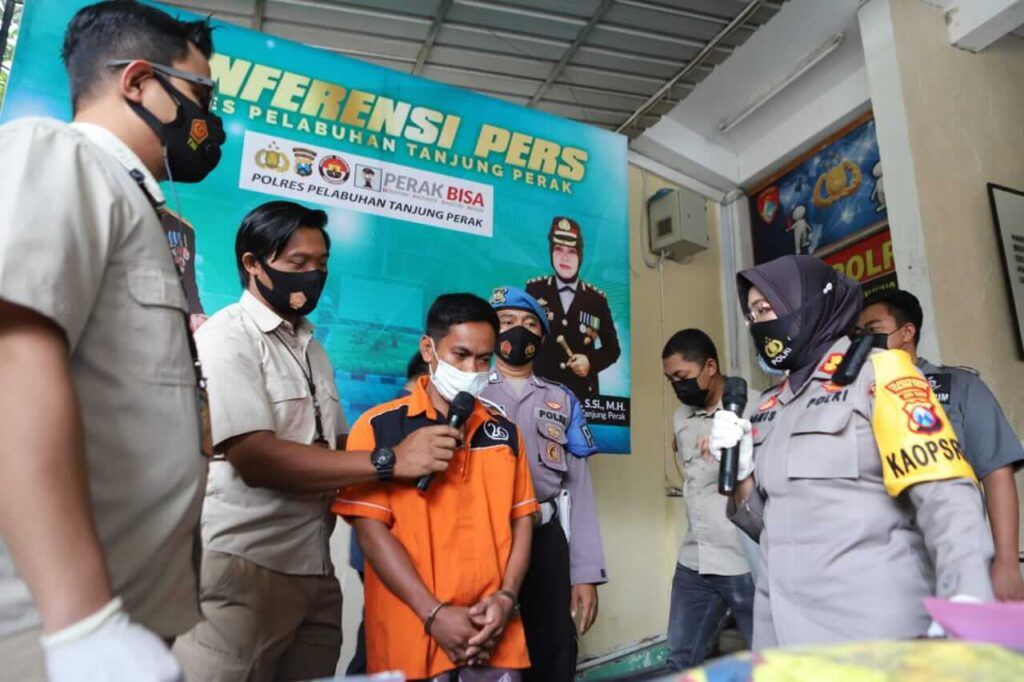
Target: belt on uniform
{"x": 548, "y": 512}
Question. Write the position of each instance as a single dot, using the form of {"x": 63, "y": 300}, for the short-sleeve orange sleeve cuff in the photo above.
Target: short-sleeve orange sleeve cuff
{"x": 348, "y": 507}
{"x": 524, "y": 508}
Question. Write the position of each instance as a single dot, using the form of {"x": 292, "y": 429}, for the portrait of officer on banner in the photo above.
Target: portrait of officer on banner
{"x": 583, "y": 341}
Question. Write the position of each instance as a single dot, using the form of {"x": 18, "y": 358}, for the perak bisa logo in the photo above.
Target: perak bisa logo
{"x": 304, "y": 159}
{"x": 272, "y": 158}
{"x": 334, "y": 170}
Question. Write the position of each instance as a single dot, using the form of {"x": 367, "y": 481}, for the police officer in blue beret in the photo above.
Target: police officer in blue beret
{"x": 567, "y": 559}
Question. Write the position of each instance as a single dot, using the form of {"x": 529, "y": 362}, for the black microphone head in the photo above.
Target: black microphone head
{"x": 461, "y": 407}
{"x": 735, "y": 393}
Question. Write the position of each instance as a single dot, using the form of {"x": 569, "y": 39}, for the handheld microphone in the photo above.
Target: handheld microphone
{"x": 734, "y": 399}
{"x": 461, "y": 407}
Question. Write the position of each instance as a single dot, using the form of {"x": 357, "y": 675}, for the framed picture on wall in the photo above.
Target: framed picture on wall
{"x": 1008, "y": 214}
{"x": 830, "y": 203}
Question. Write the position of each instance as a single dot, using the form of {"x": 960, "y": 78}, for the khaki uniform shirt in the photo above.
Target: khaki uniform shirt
{"x": 712, "y": 544}
{"x": 842, "y": 560}
{"x": 251, "y": 358}
{"x": 81, "y": 244}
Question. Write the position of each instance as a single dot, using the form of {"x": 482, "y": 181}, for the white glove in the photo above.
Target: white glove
{"x": 728, "y": 430}
{"x": 107, "y": 647}
{"x": 936, "y": 631}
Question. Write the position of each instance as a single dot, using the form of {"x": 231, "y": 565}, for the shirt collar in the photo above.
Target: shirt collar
{"x": 420, "y": 403}
{"x": 568, "y": 285}
{"x": 113, "y": 145}
{"x": 419, "y": 399}
{"x": 266, "y": 319}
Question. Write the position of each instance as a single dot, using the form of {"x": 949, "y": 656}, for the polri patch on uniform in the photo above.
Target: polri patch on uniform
{"x": 942, "y": 384}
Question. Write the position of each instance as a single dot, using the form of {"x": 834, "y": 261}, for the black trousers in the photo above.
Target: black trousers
{"x": 544, "y": 602}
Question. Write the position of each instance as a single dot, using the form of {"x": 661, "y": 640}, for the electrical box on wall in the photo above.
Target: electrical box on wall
{"x": 677, "y": 223}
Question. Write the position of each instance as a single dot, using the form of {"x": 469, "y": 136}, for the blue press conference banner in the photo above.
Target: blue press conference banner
{"x": 429, "y": 189}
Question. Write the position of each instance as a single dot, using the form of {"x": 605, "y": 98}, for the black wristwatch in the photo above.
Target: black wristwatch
{"x": 383, "y": 460}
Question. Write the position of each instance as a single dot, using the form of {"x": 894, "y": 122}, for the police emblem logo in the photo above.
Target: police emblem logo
{"x": 198, "y": 133}
{"x": 553, "y": 453}
{"x": 530, "y": 351}
{"x": 564, "y": 225}
{"x": 498, "y": 295}
{"x": 304, "y": 159}
{"x": 769, "y": 404}
{"x": 773, "y": 347}
{"x": 553, "y": 405}
{"x": 918, "y": 403}
{"x": 505, "y": 348}
{"x": 333, "y": 169}
{"x": 554, "y": 431}
{"x": 272, "y": 158}
{"x": 831, "y": 363}
{"x": 297, "y": 300}
{"x": 831, "y": 387}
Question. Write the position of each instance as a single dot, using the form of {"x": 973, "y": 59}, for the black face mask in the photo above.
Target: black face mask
{"x": 690, "y": 393}
{"x": 783, "y": 342}
{"x": 191, "y": 141}
{"x": 518, "y": 346}
{"x": 294, "y": 293}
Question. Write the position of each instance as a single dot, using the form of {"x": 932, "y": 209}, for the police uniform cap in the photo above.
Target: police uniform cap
{"x": 565, "y": 231}
{"x": 504, "y": 298}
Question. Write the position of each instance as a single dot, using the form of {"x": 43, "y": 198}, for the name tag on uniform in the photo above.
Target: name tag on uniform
{"x": 942, "y": 385}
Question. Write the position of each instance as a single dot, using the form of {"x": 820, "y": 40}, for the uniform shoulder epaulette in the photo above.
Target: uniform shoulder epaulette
{"x": 969, "y": 370}
{"x": 535, "y": 280}
{"x": 588, "y": 285}
{"x": 494, "y": 409}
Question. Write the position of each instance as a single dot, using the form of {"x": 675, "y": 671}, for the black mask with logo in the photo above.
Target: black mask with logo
{"x": 690, "y": 393}
{"x": 294, "y": 293}
{"x": 191, "y": 141}
{"x": 518, "y": 346}
{"x": 784, "y": 341}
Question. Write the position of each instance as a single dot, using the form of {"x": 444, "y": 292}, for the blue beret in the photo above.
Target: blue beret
{"x": 512, "y": 297}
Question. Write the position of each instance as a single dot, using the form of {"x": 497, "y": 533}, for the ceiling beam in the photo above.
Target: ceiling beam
{"x": 685, "y": 13}
{"x": 744, "y": 14}
{"x": 976, "y": 24}
{"x": 581, "y": 36}
{"x": 435, "y": 28}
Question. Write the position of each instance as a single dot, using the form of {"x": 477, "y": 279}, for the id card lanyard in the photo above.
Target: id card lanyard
{"x": 307, "y": 373}
{"x": 197, "y": 366}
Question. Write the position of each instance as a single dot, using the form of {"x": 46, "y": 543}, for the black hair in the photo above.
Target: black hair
{"x": 903, "y": 306}
{"x": 125, "y": 29}
{"x": 417, "y": 367}
{"x": 267, "y": 228}
{"x": 693, "y": 345}
{"x": 452, "y": 309}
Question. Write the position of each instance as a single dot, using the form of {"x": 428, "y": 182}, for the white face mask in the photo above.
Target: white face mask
{"x": 450, "y": 380}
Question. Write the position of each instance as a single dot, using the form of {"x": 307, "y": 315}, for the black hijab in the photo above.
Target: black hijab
{"x": 826, "y": 305}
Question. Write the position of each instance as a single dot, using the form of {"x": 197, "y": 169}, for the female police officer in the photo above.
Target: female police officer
{"x": 860, "y": 495}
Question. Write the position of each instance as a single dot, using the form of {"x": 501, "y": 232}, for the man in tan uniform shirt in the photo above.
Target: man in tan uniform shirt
{"x": 99, "y": 463}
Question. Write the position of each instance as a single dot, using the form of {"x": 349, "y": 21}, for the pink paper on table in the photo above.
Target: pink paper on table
{"x": 996, "y": 623}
